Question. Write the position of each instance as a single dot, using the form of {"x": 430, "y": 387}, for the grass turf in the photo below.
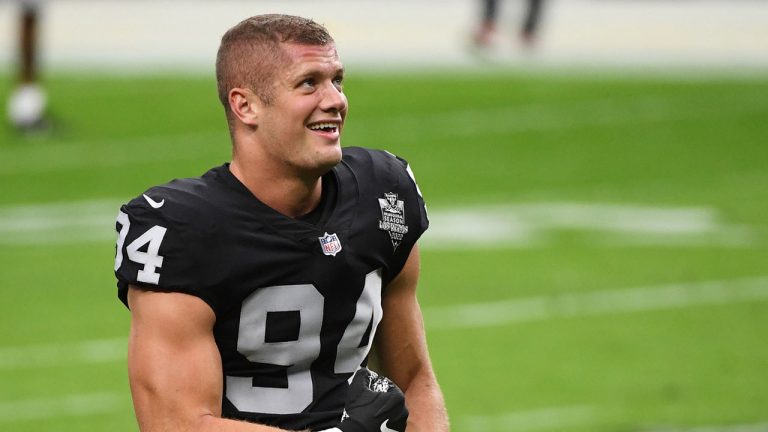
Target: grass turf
{"x": 472, "y": 139}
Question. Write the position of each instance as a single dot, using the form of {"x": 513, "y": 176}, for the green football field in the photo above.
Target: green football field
{"x": 597, "y": 260}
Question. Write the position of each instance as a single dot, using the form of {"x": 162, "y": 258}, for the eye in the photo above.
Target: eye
{"x": 309, "y": 82}
{"x": 338, "y": 81}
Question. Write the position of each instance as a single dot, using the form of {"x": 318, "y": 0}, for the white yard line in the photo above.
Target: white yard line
{"x": 478, "y": 315}
{"x": 62, "y": 354}
{"x": 580, "y": 416}
{"x": 525, "y": 225}
{"x": 75, "y": 405}
{"x": 116, "y": 153}
{"x": 478, "y": 227}
{"x": 479, "y": 122}
{"x": 752, "y": 427}
{"x": 58, "y": 223}
{"x": 650, "y": 109}
{"x": 556, "y": 418}
{"x": 617, "y": 301}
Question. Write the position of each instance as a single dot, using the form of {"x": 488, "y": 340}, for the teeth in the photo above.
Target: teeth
{"x": 319, "y": 126}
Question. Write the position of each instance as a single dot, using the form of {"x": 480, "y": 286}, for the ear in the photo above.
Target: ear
{"x": 245, "y": 105}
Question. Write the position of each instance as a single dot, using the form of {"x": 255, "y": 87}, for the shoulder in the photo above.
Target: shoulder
{"x": 378, "y": 166}
{"x": 168, "y": 233}
{"x": 389, "y": 200}
{"x": 381, "y": 168}
{"x": 361, "y": 156}
{"x": 179, "y": 203}
{"x": 177, "y": 222}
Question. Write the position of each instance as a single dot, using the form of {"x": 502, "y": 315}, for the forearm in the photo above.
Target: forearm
{"x": 218, "y": 424}
{"x": 173, "y": 412}
{"x": 168, "y": 417}
{"x": 181, "y": 409}
{"x": 402, "y": 351}
{"x": 426, "y": 404}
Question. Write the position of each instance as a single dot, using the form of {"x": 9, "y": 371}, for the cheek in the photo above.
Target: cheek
{"x": 304, "y": 107}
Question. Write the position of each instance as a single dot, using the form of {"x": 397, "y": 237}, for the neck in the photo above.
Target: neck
{"x": 293, "y": 196}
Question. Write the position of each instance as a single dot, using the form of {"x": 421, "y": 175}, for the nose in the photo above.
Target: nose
{"x": 334, "y": 99}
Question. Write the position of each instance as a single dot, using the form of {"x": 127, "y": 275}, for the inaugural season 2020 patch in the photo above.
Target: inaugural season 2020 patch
{"x": 393, "y": 218}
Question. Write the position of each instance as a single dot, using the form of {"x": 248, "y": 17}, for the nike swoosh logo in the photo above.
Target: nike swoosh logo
{"x": 385, "y": 428}
{"x": 154, "y": 203}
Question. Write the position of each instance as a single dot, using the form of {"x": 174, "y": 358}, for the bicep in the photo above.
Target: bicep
{"x": 173, "y": 363}
{"x": 402, "y": 350}
{"x": 401, "y": 343}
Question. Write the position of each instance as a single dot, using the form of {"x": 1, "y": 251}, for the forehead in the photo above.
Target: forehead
{"x": 303, "y": 59}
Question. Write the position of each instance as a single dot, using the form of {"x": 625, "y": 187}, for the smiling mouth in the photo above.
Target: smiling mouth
{"x": 324, "y": 127}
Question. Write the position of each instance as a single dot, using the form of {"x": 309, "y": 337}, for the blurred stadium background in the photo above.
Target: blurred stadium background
{"x": 598, "y": 256}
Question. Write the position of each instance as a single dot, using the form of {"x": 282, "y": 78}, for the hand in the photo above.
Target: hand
{"x": 374, "y": 404}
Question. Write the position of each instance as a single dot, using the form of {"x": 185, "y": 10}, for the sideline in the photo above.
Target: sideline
{"x": 145, "y": 35}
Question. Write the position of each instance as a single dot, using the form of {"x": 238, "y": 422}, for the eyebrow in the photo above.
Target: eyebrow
{"x": 314, "y": 73}
{"x": 318, "y": 71}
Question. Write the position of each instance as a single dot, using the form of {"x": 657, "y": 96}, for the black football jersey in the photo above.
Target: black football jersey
{"x": 297, "y": 303}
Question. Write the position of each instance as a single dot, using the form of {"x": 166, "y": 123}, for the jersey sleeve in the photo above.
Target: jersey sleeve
{"x": 412, "y": 186}
{"x": 416, "y": 220}
{"x": 162, "y": 245}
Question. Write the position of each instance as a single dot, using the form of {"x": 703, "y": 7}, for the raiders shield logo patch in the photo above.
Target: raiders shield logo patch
{"x": 393, "y": 218}
{"x": 330, "y": 244}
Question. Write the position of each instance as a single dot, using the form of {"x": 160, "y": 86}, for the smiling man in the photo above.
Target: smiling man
{"x": 258, "y": 290}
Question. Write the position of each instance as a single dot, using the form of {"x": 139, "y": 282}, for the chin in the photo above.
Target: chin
{"x": 326, "y": 159}
{"x": 331, "y": 154}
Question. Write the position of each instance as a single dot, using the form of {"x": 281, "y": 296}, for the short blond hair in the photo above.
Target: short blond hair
{"x": 251, "y": 52}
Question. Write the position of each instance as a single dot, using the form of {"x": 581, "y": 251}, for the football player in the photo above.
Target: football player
{"x": 258, "y": 289}
{"x": 486, "y": 32}
{"x": 28, "y": 101}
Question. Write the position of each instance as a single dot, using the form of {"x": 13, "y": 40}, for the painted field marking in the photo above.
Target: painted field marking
{"x": 117, "y": 153}
{"x": 580, "y": 416}
{"x": 557, "y": 418}
{"x": 585, "y": 113}
{"x": 526, "y": 225}
{"x": 477, "y": 315}
{"x": 61, "y": 354}
{"x": 479, "y": 227}
{"x": 751, "y": 427}
{"x": 640, "y": 299}
{"x": 74, "y": 405}
{"x": 58, "y": 223}
{"x": 479, "y": 121}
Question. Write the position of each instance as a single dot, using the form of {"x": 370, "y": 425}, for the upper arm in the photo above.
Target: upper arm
{"x": 402, "y": 351}
{"x": 173, "y": 363}
{"x": 400, "y": 341}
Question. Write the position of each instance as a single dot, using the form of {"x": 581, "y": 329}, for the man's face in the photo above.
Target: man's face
{"x": 302, "y": 126}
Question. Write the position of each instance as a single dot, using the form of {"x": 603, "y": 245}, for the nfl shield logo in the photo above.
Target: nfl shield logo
{"x": 330, "y": 244}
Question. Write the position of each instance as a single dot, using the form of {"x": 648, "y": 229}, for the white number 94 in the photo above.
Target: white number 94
{"x": 151, "y": 258}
